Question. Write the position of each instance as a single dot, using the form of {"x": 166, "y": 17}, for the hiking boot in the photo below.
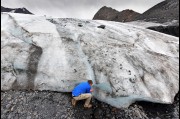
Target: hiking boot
{"x": 73, "y": 102}
{"x": 88, "y": 106}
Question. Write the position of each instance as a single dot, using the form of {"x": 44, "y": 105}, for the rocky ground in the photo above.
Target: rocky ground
{"x": 55, "y": 105}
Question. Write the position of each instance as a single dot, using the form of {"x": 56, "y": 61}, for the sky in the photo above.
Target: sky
{"x": 82, "y": 9}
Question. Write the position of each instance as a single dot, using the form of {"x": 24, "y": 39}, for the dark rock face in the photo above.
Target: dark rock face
{"x": 15, "y": 10}
{"x": 165, "y": 11}
{"x": 107, "y": 13}
{"x": 55, "y": 105}
{"x": 171, "y": 30}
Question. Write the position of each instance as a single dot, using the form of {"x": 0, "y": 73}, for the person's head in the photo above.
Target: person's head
{"x": 90, "y": 82}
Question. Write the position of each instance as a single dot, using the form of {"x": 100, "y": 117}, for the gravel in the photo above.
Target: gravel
{"x": 55, "y": 105}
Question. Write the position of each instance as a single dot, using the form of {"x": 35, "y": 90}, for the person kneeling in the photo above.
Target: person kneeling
{"x": 81, "y": 92}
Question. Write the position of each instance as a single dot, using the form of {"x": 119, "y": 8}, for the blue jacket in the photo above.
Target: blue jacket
{"x": 82, "y": 88}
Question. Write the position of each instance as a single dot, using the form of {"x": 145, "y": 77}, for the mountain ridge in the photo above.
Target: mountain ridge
{"x": 162, "y": 12}
{"x": 110, "y": 14}
{"x": 15, "y": 10}
{"x": 166, "y": 11}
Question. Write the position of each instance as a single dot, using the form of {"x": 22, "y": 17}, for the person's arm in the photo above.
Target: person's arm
{"x": 88, "y": 90}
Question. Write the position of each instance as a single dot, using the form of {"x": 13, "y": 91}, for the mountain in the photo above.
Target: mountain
{"x": 165, "y": 11}
{"x": 15, "y": 10}
{"x": 107, "y": 13}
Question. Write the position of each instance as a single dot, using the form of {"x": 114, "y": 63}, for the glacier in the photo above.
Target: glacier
{"x": 127, "y": 63}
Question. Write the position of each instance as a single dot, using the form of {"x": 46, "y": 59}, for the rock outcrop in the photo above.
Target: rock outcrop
{"x": 171, "y": 30}
{"x": 126, "y": 63}
{"x": 109, "y": 14}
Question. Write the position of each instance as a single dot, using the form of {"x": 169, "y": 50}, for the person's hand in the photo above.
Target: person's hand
{"x": 91, "y": 90}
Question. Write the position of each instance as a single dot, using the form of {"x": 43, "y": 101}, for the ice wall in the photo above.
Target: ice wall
{"x": 126, "y": 63}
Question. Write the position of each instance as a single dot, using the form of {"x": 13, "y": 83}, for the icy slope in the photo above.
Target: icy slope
{"x": 126, "y": 63}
